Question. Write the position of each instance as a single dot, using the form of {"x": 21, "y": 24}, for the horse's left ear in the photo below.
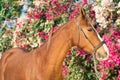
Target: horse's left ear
{"x": 82, "y": 13}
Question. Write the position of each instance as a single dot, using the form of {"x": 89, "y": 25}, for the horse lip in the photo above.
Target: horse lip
{"x": 103, "y": 59}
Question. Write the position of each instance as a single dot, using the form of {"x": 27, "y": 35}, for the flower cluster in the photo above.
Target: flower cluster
{"x": 107, "y": 15}
{"x": 42, "y": 19}
{"x": 104, "y": 13}
{"x": 113, "y": 42}
{"x": 49, "y": 9}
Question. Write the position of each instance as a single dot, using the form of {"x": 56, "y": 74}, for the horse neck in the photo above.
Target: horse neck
{"x": 59, "y": 45}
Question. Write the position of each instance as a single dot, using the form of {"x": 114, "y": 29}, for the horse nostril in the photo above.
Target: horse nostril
{"x": 100, "y": 56}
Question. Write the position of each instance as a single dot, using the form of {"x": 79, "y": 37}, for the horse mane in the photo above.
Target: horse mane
{"x": 51, "y": 34}
{"x": 49, "y": 40}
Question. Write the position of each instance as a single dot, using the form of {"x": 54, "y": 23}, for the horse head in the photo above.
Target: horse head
{"x": 87, "y": 38}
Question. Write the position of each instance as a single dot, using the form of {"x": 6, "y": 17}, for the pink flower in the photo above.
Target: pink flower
{"x": 6, "y": 6}
{"x": 74, "y": 13}
{"x": 118, "y": 46}
{"x": 46, "y": 37}
{"x": 69, "y": 52}
{"x": 23, "y": 46}
{"x": 75, "y": 48}
{"x": 112, "y": 41}
{"x": 65, "y": 70}
{"x": 53, "y": 1}
{"x": 84, "y": 2}
{"x": 20, "y": 24}
{"x": 37, "y": 16}
{"x": 104, "y": 76}
{"x": 53, "y": 29}
{"x": 64, "y": 8}
{"x": 80, "y": 52}
{"x": 92, "y": 13}
{"x": 29, "y": 15}
{"x": 49, "y": 16}
{"x": 118, "y": 74}
{"x": 41, "y": 33}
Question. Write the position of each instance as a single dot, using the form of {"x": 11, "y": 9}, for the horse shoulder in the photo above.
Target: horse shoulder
{"x": 3, "y": 61}
{"x": 10, "y": 53}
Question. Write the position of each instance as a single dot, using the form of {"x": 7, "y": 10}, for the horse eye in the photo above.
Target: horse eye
{"x": 90, "y": 29}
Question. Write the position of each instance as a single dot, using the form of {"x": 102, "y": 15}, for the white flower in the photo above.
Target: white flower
{"x": 118, "y": 41}
{"x": 106, "y": 13}
{"x": 0, "y": 55}
{"x": 98, "y": 10}
{"x": 20, "y": 2}
{"x": 34, "y": 45}
{"x": 40, "y": 3}
{"x": 118, "y": 5}
{"x": 118, "y": 12}
{"x": 106, "y": 3}
{"x": 99, "y": 14}
{"x": 100, "y": 19}
{"x": 98, "y": 0}
{"x": 36, "y": 2}
{"x": 118, "y": 21}
{"x": 30, "y": 10}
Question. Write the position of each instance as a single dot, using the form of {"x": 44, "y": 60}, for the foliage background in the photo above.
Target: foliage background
{"x": 28, "y": 23}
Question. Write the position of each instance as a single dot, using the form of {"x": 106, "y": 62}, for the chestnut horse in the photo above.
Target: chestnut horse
{"x": 45, "y": 63}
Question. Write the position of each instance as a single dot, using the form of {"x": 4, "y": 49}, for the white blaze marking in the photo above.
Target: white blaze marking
{"x": 104, "y": 45}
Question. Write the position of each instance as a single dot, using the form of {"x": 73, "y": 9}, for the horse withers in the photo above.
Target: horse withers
{"x": 45, "y": 62}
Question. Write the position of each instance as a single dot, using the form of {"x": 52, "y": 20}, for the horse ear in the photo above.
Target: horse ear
{"x": 82, "y": 13}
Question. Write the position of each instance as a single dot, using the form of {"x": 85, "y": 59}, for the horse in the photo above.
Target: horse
{"x": 45, "y": 62}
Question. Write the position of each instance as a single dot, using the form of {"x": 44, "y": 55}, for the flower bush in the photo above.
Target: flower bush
{"x": 42, "y": 17}
{"x": 107, "y": 16}
{"x": 111, "y": 66}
